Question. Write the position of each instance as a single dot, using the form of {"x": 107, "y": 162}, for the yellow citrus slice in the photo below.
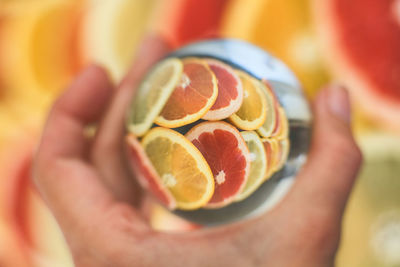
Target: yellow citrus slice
{"x": 271, "y": 147}
{"x": 253, "y": 111}
{"x": 152, "y": 94}
{"x": 284, "y": 148}
{"x": 193, "y": 96}
{"x": 258, "y": 164}
{"x": 283, "y": 130}
{"x": 268, "y": 126}
{"x": 145, "y": 173}
{"x": 181, "y": 166}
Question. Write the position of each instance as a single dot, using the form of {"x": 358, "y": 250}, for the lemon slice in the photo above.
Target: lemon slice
{"x": 181, "y": 167}
{"x": 267, "y": 128}
{"x": 253, "y": 111}
{"x": 258, "y": 164}
{"x": 152, "y": 94}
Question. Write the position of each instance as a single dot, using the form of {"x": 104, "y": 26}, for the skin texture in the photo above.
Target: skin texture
{"x": 89, "y": 188}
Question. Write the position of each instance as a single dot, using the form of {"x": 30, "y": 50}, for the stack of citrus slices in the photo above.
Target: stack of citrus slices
{"x": 210, "y": 135}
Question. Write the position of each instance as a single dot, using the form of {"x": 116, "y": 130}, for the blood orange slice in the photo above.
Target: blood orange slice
{"x": 146, "y": 174}
{"x": 258, "y": 164}
{"x": 192, "y": 98}
{"x": 181, "y": 167}
{"x": 253, "y": 111}
{"x": 269, "y": 124}
{"x": 228, "y": 157}
{"x": 152, "y": 95}
{"x": 230, "y": 92}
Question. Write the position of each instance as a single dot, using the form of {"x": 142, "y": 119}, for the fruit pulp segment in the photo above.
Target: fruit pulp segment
{"x": 226, "y": 160}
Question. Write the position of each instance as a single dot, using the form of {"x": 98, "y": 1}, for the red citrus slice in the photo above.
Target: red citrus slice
{"x": 361, "y": 40}
{"x": 230, "y": 92}
{"x": 192, "y": 98}
{"x": 228, "y": 157}
{"x": 146, "y": 174}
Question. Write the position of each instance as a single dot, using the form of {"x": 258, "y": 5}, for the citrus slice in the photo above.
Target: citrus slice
{"x": 181, "y": 166}
{"x": 230, "y": 92}
{"x": 283, "y": 129}
{"x": 258, "y": 164}
{"x": 228, "y": 157}
{"x": 146, "y": 174}
{"x": 271, "y": 150}
{"x": 253, "y": 111}
{"x": 284, "y": 147}
{"x": 268, "y": 126}
{"x": 192, "y": 98}
{"x": 152, "y": 95}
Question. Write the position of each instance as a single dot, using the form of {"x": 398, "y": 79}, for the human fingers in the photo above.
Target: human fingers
{"x": 327, "y": 178}
{"x": 108, "y": 146}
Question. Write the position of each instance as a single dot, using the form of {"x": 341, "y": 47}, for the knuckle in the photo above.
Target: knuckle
{"x": 346, "y": 147}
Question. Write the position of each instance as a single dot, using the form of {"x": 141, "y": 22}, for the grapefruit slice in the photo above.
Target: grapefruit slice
{"x": 258, "y": 164}
{"x": 228, "y": 157}
{"x": 146, "y": 174}
{"x": 267, "y": 128}
{"x": 192, "y": 98}
{"x": 181, "y": 167}
{"x": 152, "y": 95}
{"x": 284, "y": 147}
{"x": 271, "y": 149}
{"x": 230, "y": 92}
{"x": 361, "y": 41}
{"x": 253, "y": 111}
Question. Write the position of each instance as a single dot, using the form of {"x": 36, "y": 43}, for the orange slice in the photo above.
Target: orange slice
{"x": 228, "y": 157}
{"x": 152, "y": 95}
{"x": 230, "y": 92}
{"x": 253, "y": 111}
{"x": 146, "y": 174}
{"x": 271, "y": 149}
{"x": 267, "y": 128}
{"x": 258, "y": 164}
{"x": 282, "y": 131}
{"x": 181, "y": 167}
{"x": 192, "y": 98}
{"x": 284, "y": 148}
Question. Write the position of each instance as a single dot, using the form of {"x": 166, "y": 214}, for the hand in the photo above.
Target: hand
{"x": 87, "y": 184}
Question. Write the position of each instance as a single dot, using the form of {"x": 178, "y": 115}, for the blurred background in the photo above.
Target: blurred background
{"x": 44, "y": 43}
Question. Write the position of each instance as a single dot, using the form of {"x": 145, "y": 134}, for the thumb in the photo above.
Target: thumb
{"x": 326, "y": 180}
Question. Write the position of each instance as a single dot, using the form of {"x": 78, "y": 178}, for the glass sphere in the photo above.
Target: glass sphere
{"x": 223, "y": 127}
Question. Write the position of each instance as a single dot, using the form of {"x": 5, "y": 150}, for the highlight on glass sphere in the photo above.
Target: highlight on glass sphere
{"x": 203, "y": 134}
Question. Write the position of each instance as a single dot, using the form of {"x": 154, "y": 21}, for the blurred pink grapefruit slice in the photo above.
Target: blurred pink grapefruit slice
{"x": 228, "y": 157}
{"x": 361, "y": 40}
{"x": 230, "y": 92}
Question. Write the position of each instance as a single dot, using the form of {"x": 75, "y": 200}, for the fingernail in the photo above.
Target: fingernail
{"x": 339, "y": 103}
